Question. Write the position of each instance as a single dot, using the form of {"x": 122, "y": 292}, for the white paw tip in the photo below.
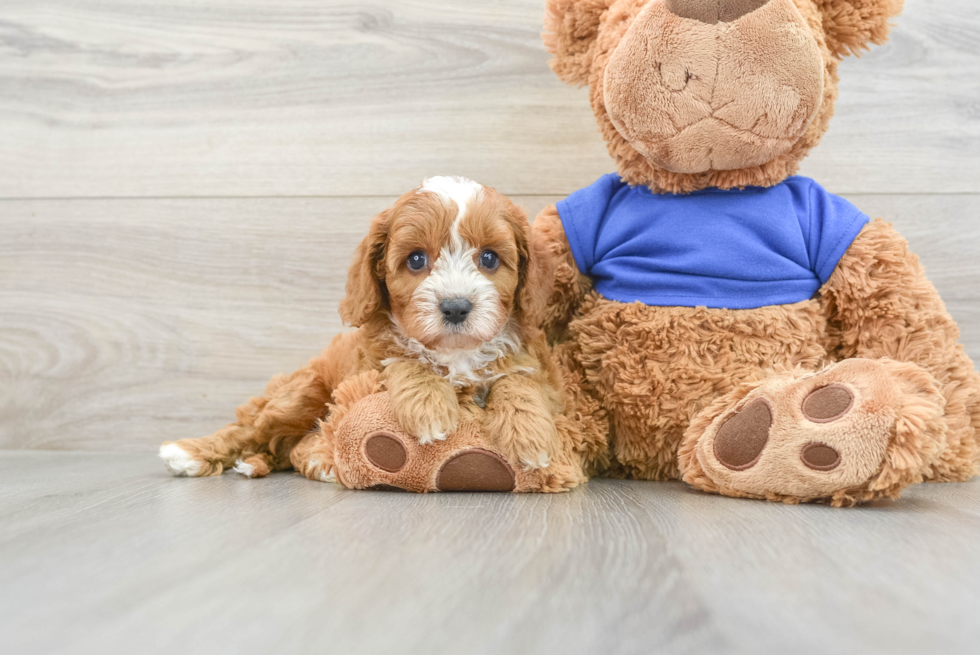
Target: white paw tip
{"x": 431, "y": 437}
{"x": 542, "y": 462}
{"x": 245, "y": 469}
{"x": 327, "y": 477}
{"x": 178, "y": 461}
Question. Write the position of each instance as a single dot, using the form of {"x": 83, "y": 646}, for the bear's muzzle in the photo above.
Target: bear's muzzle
{"x": 712, "y": 85}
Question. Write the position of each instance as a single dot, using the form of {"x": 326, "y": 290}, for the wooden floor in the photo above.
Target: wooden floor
{"x": 182, "y": 183}
{"x": 104, "y": 553}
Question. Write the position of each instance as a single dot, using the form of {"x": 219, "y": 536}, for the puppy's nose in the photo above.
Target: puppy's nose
{"x": 455, "y": 310}
{"x": 714, "y": 11}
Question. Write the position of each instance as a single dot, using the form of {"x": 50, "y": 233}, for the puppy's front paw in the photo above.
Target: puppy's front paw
{"x": 539, "y": 460}
{"x": 437, "y": 431}
{"x": 527, "y": 439}
{"x": 430, "y": 418}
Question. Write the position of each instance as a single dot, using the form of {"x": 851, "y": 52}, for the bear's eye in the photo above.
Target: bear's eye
{"x": 489, "y": 260}
{"x": 417, "y": 260}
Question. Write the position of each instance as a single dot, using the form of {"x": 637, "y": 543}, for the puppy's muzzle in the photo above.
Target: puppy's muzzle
{"x": 455, "y": 310}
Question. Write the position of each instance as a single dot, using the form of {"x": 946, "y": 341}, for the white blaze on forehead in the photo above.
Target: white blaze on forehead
{"x": 456, "y": 189}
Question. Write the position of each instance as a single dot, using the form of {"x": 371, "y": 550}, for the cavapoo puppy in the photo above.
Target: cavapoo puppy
{"x": 445, "y": 293}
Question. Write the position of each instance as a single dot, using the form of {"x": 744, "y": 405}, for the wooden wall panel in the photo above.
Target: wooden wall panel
{"x": 331, "y": 97}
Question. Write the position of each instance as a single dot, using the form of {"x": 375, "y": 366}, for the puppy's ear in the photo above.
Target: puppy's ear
{"x": 531, "y": 295}
{"x": 852, "y": 25}
{"x": 366, "y": 290}
{"x": 571, "y": 28}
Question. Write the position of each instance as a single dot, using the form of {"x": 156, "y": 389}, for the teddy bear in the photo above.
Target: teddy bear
{"x": 713, "y": 317}
{"x": 730, "y": 323}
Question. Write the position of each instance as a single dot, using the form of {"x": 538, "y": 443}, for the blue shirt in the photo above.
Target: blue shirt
{"x": 736, "y": 249}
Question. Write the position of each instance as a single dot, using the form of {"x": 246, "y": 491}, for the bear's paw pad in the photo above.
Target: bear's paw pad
{"x": 385, "y": 451}
{"x": 476, "y": 470}
{"x": 807, "y": 437}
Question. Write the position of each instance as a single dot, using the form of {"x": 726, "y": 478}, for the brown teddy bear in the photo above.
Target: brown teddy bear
{"x": 733, "y": 325}
{"x": 714, "y": 317}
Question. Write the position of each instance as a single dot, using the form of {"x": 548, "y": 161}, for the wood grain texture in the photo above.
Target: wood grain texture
{"x": 100, "y": 552}
{"x": 129, "y": 322}
{"x": 247, "y": 144}
{"x": 135, "y": 98}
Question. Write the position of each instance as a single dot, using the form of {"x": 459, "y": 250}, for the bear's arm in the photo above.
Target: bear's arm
{"x": 880, "y": 304}
{"x": 569, "y": 286}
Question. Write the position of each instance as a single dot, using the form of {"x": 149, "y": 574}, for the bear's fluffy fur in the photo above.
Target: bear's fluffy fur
{"x": 662, "y": 380}
{"x": 843, "y": 398}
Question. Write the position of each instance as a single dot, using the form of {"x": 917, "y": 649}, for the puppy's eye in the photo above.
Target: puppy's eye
{"x": 489, "y": 260}
{"x": 417, "y": 260}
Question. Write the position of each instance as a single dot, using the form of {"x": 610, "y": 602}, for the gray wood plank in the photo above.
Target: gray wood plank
{"x": 125, "y": 323}
{"x": 330, "y": 97}
{"x": 101, "y": 552}
{"x": 133, "y": 318}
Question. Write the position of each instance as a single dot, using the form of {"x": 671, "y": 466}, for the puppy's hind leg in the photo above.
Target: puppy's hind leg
{"x": 268, "y": 425}
{"x": 313, "y": 457}
{"x": 256, "y": 466}
{"x": 281, "y": 417}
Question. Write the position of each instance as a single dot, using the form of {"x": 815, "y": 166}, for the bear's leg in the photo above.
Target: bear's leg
{"x": 368, "y": 449}
{"x": 880, "y": 304}
{"x": 859, "y": 430}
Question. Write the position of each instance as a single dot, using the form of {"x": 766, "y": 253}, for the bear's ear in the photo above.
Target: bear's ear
{"x": 852, "y": 25}
{"x": 570, "y": 31}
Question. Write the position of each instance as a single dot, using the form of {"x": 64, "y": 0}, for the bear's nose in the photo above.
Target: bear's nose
{"x": 714, "y": 11}
{"x": 455, "y": 310}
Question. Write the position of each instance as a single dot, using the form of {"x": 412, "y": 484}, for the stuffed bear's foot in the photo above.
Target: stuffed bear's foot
{"x": 373, "y": 452}
{"x": 859, "y": 430}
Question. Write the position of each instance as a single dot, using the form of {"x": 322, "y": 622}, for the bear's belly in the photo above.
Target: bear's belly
{"x": 654, "y": 368}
